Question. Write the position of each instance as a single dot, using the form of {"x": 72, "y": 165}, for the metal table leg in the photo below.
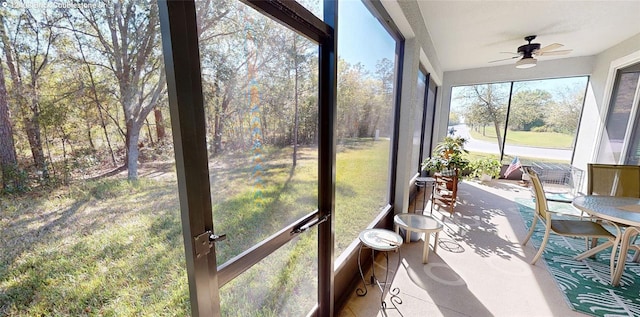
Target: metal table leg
{"x": 385, "y": 241}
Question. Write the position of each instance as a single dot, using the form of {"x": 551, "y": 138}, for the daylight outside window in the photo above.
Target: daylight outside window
{"x": 534, "y": 121}
{"x": 365, "y": 97}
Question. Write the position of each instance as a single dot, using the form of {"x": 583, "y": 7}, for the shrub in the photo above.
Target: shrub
{"x": 485, "y": 166}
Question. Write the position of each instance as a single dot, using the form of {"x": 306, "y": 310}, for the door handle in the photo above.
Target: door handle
{"x": 217, "y": 238}
{"x": 310, "y": 224}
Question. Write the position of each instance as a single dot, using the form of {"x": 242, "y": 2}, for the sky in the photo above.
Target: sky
{"x": 550, "y": 85}
{"x": 361, "y": 38}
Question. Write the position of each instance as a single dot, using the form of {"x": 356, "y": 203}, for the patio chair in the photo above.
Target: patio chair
{"x": 613, "y": 180}
{"x": 565, "y": 227}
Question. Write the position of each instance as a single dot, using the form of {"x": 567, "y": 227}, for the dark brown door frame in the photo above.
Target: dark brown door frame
{"x": 327, "y": 161}
{"x": 180, "y": 48}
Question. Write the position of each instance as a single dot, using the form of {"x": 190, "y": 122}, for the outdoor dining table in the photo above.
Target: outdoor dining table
{"x": 622, "y": 210}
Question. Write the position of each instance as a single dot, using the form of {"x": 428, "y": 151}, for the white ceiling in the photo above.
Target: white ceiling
{"x": 469, "y": 34}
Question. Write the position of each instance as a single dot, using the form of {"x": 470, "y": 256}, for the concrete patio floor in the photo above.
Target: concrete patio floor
{"x": 480, "y": 268}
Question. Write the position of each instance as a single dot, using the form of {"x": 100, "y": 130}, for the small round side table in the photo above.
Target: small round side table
{"x": 419, "y": 223}
{"x": 382, "y": 240}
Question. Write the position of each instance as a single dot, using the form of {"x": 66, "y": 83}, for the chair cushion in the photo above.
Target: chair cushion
{"x": 580, "y": 228}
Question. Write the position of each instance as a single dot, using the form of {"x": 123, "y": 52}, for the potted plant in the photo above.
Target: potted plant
{"x": 448, "y": 156}
{"x": 446, "y": 163}
{"x": 485, "y": 168}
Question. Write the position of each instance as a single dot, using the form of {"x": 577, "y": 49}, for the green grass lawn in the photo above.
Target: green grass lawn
{"x": 362, "y": 174}
{"x": 105, "y": 247}
{"x": 111, "y": 247}
{"x": 528, "y": 138}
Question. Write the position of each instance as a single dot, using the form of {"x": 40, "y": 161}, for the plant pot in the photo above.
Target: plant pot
{"x": 485, "y": 178}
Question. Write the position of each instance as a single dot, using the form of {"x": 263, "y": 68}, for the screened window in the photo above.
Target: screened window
{"x": 430, "y": 109}
{"x": 534, "y": 120}
{"x": 365, "y": 120}
{"x": 545, "y": 114}
{"x": 418, "y": 116}
{"x": 478, "y": 114}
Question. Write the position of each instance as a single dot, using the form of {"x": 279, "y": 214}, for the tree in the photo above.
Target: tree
{"x": 221, "y": 47}
{"x": 28, "y": 53}
{"x": 353, "y": 95}
{"x": 454, "y": 118}
{"x": 92, "y": 92}
{"x": 159, "y": 118}
{"x": 8, "y": 161}
{"x": 563, "y": 116}
{"x": 528, "y": 108}
{"x": 125, "y": 36}
{"x": 300, "y": 55}
{"x": 385, "y": 71}
{"x": 486, "y": 104}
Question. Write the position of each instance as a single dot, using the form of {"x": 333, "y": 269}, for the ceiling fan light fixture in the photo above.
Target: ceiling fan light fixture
{"x": 526, "y": 62}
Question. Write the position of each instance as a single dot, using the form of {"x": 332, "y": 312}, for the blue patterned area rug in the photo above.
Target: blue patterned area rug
{"x": 585, "y": 284}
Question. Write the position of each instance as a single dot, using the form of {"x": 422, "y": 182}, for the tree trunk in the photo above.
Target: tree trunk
{"x": 32, "y": 127}
{"x": 217, "y": 135}
{"x": 295, "y": 98}
{"x": 241, "y": 131}
{"x": 46, "y": 142}
{"x": 89, "y": 134}
{"x": 103, "y": 124}
{"x": 219, "y": 124}
{"x": 131, "y": 139}
{"x": 8, "y": 161}
{"x": 160, "y": 132}
{"x": 146, "y": 122}
{"x": 498, "y": 135}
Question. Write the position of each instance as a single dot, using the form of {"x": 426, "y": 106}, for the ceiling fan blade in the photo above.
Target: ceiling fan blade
{"x": 504, "y": 59}
{"x": 550, "y": 47}
{"x": 562, "y": 52}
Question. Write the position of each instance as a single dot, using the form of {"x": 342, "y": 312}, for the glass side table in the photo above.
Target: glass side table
{"x": 421, "y": 224}
{"x": 382, "y": 240}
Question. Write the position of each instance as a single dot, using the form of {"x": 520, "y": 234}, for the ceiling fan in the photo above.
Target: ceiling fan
{"x": 530, "y": 51}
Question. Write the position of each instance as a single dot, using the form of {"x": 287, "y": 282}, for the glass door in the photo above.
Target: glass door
{"x": 620, "y": 117}
{"x": 632, "y": 151}
{"x": 260, "y": 87}
{"x": 263, "y": 151}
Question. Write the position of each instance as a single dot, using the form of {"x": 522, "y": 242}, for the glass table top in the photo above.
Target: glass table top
{"x": 380, "y": 239}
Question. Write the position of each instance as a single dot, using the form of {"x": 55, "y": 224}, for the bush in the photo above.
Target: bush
{"x": 485, "y": 166}
{"x": 16, "y": 180}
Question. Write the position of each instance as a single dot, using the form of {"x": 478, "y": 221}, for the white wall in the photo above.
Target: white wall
{"x": 404, "y": 170}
